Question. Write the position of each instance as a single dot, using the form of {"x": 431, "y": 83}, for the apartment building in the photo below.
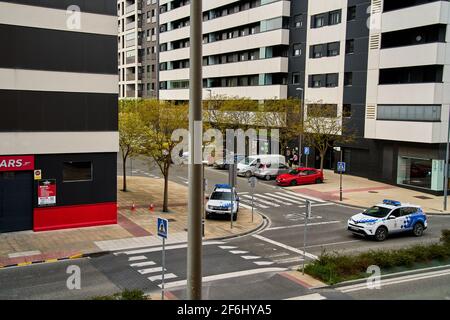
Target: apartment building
{"x": 245, "y": 51}
{"x": 59, "y": 121}
{"x": 381, "y": 65}
{"x": 138, "y": 48}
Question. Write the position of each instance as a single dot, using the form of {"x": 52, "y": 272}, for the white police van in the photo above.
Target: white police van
{"x": 387, "y": 218}
{"x": 219, "y": 202}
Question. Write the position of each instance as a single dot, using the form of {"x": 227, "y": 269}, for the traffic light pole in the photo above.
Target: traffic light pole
{"x": 194, "y": 254}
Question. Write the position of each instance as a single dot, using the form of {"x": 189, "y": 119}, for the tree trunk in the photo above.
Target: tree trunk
{"x": 322, "y": 156}
{"x": 124, "y": 165}
{"x": 166, "y": 192}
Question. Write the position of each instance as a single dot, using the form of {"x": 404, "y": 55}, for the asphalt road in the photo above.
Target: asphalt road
{"x": 248, "y": 267}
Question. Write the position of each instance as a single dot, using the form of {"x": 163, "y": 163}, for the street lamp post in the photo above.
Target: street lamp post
{"x": 194, "y": 251}
{"x": 446, "y": 167}
{"x": 300, "y": 138}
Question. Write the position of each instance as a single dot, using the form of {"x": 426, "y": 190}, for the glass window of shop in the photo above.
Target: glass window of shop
{"x": 421, "y": 173}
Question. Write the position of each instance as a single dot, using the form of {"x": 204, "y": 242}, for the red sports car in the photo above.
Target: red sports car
{"x": 300, "y": 176}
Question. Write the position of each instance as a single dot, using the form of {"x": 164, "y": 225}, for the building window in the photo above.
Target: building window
{"x": 316, "y": 51}
{"x": 350, "y": 46}
{"x": 332, "y": 80}
{"x": 318, "y": 21}
{"x": 296, "y": 78}
{"x": 333, "y": 49}
{"x": 297, "y": 50}
{"x": 424, "y": 113}
{"x": 348, "y": 78}
{"x": 351, "y": 13}
{"x": 335, "y": 17}
{"x": 77, "y": 171}
{"x": 347, "y": 111}
{"x": 298, "y": 21}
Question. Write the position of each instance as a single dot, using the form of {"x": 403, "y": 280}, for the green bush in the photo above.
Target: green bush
{"x": 333, "y": 267}
{"x": 124, "y": 295}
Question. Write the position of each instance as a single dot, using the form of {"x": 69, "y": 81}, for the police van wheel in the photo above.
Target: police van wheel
{"x": 234, "y": 217}
{"x": 208, "y": 216}
{"x": 268, "y": 178}
{"x": 381, "y": 234}
{"x": 418, "y": 229}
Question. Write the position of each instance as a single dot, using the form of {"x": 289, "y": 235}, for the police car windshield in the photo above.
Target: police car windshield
{"x": 377, "y": 212}
{"x": 221, "y": 196}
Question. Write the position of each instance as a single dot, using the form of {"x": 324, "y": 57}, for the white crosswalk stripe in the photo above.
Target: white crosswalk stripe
{"x": 137, "y": 258}
{"x": 142, "y": 264}
{"x": 289, "y": 196}
{"x": 283, "y": 202}
{"x": 298, "y": 201}
{"x": 255, "y": 204}
{"x": 159, "y": 277}
{"x": 275, "y": 200}
{"x": 262, "y": 201}
{"x": 151, "y": 270}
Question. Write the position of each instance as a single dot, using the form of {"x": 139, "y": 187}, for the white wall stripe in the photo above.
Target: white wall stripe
{"x": 55, "y": 19}
{"x": 38, "y": 80}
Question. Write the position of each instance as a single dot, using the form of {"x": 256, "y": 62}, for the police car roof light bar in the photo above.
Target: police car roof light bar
{"x": 223, "y": 186}
{"x": 392, "y": 202}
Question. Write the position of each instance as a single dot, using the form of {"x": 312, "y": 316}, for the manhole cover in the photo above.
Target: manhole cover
{"x": 423, "y": 197}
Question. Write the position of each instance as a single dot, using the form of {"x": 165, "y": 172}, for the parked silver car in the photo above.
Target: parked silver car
{"x": 271, "y": 171}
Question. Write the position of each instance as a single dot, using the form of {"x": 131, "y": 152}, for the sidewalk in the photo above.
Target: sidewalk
{"x": 135, "y": 228}
{"x": 362, "y": 192}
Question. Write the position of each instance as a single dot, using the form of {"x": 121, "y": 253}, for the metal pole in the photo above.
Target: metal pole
{"x": 340, "y": 179}
{"x": 252, "y": 204}
{"x": 163, "y": 267}
{"x": 203, "y": 200}
{"x": 446, "y": 167}
{"x": 194, "y": 254}
{"x": 308, "y": 212}
{"x": 232, "y": 206}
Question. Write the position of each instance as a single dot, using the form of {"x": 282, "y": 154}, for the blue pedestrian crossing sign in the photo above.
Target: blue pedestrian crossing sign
{"x": 163, "y": 228}
{"x": 306, "y": 151}
{"x": 341, "y": 167}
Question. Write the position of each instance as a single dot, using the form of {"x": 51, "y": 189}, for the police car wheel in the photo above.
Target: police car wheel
{"x": 381, "y": 234}
{"x": 234, "y": 217}
{"x": 418, "y": 229}
{"x": 208, "y": 216}
{"x": 268, "y": 178}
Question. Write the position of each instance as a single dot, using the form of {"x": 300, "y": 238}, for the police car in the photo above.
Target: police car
{"x": 387, "y": 218}
{"x": 219, "y": 202}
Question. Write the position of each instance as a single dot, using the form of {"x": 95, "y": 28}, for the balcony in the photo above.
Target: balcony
{"x": 413, "y": 93}
{"x": 417, "y": 55}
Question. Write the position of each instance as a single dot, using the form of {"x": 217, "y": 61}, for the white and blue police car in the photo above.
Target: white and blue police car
{"x": 219, "y": 202}
{"x": 387, "y": 218}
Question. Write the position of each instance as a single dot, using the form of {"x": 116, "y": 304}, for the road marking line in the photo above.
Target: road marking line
{"x": 302, "y": 225}
{"x": 166, "y": 277}
{"x": 238, "y": 252}
{"x": 142, "y": 264}
{"x": 273, "y": 199}
{"x": 256, "y": 204}
{"x": 289, "y": 260}
{"x": 284, "y": 246}
{"x": 298, "y": 201}
{"x": 319, "y": 205}
{"x": 245, "y": 205}
{"x": 251, "y": 257}
{"x": 403, "y": 279}
{"x": 227, "y": 247}
{"x": 263, "y": 263}
{"x": 159, "y": 248}
{"x": 333, "y": 243}
{"x": 304, "y": 196}
{"x": 313, "y": 296}
{"x": 262, "y": 201}
{"x": 226, "y": 276}
{"x": 150, "y": 270}
{"x": 290, "y": 196}
{"x": 137, "y": 258}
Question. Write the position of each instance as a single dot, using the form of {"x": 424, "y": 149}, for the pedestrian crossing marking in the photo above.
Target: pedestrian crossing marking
{"x": 263, "y": 263}
{"x": 273, "y": 199}
{"x": 255, "y": 204}
{"x": 137, "y": 258}
{"x": 227, "y": 247}
{"x": 159, "y": 277}
{"x": 262, "y": 201}
{"x": 297, "y": 201}
{"x": 142, "y": 264}
{"x": 151, "y": 270}
{"x": 290, "y": 196}
{"x": 238, "y": 252}
{"x": 250, "y": 257}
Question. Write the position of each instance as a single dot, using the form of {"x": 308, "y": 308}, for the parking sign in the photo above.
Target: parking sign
{"x": 163, "y": 228}
{"x": 341, "y": 167}
{"x": 306, "y": 151}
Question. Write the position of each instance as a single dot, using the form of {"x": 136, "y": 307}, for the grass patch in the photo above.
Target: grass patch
{"x": 124, "y": 295}
{"x": 333, "y": 268}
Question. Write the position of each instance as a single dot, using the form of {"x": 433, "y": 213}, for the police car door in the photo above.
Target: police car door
{"x": 393, "y": 222}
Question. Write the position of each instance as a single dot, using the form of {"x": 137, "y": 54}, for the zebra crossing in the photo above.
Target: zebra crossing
{"x": 148, "y": 174}
{"x": 278, "y": 199}
{"x": 258, "y": 260}
{"x": 148, "y": 268}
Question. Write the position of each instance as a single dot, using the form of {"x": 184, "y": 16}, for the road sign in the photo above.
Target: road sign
{"x": 163, "y": 228}
{"x": 307, "y": 151}
{"x": 341, "y": 166}
{"x": 252, "y": 182}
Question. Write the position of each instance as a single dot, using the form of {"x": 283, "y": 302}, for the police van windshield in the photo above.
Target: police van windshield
{"x": 377, "y": 212}
{"x": 221, "y": 196}
{"x": 247, "y": 160}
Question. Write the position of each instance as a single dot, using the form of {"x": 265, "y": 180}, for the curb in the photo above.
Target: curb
{"x": 262, "y": 225}
{"x": 53, "y": 260}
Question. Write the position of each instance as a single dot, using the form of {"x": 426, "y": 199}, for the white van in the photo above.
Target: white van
{"x": 250, "y": 164}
